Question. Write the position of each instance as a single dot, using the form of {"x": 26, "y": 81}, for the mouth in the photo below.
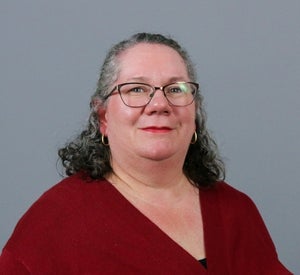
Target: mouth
{"x": 154, "y": 129}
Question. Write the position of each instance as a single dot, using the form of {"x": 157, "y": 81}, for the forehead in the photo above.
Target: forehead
{"x": 151, "y": 60}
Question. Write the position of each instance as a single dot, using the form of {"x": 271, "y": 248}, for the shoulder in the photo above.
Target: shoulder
{"x": 75, "y": 185}
{"x": 58, "y": 220}
{"x": 67, "y": 195}
{"x": 62, "y": 206}
{"x": 72, "y": 191}
{"x": 231, "y": 203}
{"x": 226, "y": 193}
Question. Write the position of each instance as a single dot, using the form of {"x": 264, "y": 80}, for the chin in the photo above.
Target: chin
{"x": 158, "y": 154}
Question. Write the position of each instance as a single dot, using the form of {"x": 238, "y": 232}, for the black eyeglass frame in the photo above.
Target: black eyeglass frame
{"x": 154, "y": 88}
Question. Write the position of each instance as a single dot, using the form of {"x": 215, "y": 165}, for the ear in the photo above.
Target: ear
{"x": 102, "y": 121}
{"x": 101, "y": 112}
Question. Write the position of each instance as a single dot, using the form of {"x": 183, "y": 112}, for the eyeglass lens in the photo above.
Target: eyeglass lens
{"x": 139, "y": 94}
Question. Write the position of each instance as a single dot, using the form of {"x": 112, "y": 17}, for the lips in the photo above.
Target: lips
{"x": 155, "y": 129}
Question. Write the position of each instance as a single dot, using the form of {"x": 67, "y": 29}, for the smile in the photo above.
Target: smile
{"x": 154, "y": 129}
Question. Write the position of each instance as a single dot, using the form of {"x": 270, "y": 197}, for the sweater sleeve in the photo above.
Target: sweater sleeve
{"x": 259, "y": 239}
{"x": 9, "y": 265}
{"x": 234, "y": 225}
{"x": 253, "y": 247}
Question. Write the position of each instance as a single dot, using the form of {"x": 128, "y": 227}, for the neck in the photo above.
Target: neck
{"x": 154, "y": 182}
{"x": 155, "y": 173}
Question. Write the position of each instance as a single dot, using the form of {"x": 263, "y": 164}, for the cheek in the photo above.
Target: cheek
{"x": 118, "y": 118}
{"x": 189, "y": 118}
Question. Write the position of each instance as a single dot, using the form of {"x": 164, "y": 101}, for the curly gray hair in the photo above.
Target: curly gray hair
{"x": 86, "y": 153}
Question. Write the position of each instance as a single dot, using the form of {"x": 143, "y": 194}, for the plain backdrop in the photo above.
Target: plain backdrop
{"x": 248, "y": 60}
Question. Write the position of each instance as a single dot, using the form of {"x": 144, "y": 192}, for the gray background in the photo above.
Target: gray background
{"x": 248, "y": 59}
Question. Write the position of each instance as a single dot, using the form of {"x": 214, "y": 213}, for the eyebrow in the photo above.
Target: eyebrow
{"x": 145, "y": 79}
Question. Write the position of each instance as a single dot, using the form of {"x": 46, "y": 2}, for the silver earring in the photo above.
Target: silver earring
{"x": 104, "y": 142}
{"x": 195, "y": 138}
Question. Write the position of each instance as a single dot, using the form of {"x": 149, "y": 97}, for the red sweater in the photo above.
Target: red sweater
{"x": 88, "y": 227}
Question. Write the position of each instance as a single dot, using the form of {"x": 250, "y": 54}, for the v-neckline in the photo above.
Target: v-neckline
{"x": 155, "y": 228}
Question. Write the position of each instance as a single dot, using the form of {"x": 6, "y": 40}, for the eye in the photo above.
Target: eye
{"x": 137, "y": 90}
{"x": 175, "y": 90}
{"x": 134, "y": 89}
{"x": 178, "y": 88}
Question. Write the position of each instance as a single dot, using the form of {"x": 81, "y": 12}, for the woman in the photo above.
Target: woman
{"x": 144, "y": 193}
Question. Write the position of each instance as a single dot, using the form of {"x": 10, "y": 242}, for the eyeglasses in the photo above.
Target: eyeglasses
{"x": 135, "y": 94}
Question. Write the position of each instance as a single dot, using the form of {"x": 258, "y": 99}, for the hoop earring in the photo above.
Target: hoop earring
{"x": 104, "y": 142}
{"x": 195, "y": 138}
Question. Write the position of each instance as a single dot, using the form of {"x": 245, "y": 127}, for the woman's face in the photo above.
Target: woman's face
{"x": 157, "y": 131}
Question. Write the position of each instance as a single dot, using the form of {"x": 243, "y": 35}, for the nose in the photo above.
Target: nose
{"x": 161, "y": 95}
{"x": 158, "y": 101}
